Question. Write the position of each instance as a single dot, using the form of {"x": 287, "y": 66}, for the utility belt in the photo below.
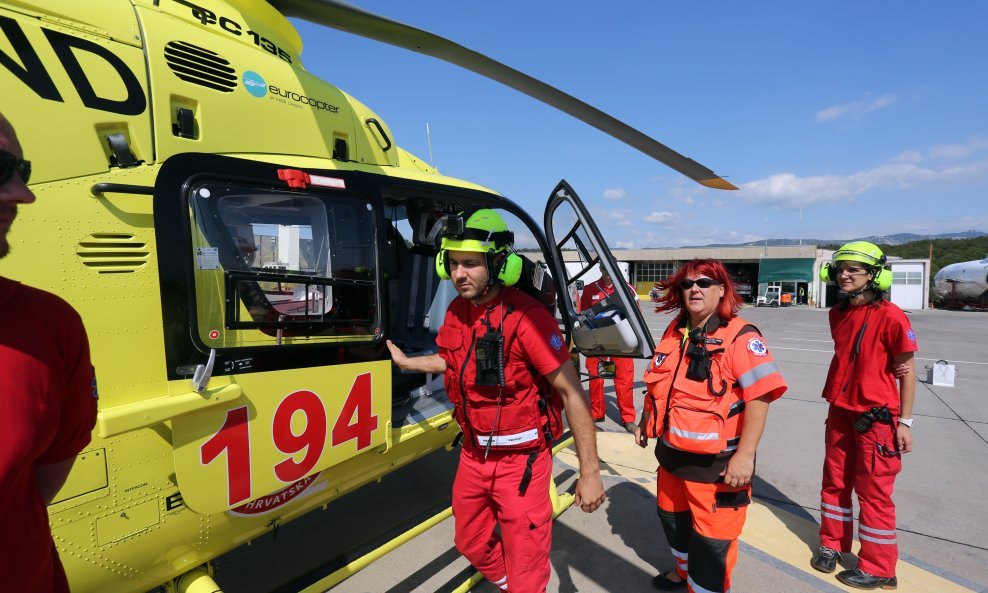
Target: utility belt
{"x": 881, "y": 414}
{"x": 875, "y": 414}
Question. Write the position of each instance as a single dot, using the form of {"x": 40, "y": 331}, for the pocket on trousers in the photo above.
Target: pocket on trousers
{"x": 537, "y": 518}
{"x": 885, "y": 461}
{"x": 730, "y": 499}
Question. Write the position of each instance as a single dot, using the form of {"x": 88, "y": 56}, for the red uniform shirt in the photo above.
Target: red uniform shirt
{"x": 860, "y": 382}
{"x": 47, "y": 412}
{"x": 536, "y": 344}
{"x": 593, "y": 293}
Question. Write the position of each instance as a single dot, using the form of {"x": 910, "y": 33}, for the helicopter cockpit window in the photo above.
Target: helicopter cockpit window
{"x": 283, "y": 267}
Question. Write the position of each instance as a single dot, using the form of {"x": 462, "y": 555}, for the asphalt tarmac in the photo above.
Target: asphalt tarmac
{"x": 940, "y": 494}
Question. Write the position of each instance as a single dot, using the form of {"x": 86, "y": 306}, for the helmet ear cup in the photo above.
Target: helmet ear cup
{"x": 442, "y": 265}
{"x": 883, "y": 280}
{"x": 827, "y": 273}
{"x": 511, "y": 270}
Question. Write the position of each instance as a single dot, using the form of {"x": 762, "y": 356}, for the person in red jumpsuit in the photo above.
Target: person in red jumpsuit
{"x": 869, "y": 422}
{"x": 47, "y": 401}
{"x": 710, "y": 383}
{"x": 492, "y": 339}
{"x": 624, "y": 368}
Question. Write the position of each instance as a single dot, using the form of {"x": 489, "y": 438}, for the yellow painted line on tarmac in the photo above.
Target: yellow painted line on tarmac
{"x": 774, "y": 531}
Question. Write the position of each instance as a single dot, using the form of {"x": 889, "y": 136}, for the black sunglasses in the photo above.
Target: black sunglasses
{"x": 9, "y": 164}
{"x": 701, "y": 282}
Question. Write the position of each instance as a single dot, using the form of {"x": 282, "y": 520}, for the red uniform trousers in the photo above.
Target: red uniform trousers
{"x": 485, "y": 494}
{"x": 703, "y": 536}
{"x": 624, "y": 382}
{"x": 867, "y": 463}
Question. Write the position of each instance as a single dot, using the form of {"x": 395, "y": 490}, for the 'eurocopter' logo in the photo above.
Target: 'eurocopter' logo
{"x": 254, "y": 84}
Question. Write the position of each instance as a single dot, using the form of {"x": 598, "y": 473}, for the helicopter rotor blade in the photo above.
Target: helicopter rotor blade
{"x": 345, "y": 17}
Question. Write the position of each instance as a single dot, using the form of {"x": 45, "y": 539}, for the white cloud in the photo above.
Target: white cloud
{"x": 787, "y": 189}
{"x": 615, "y": 193}
{"x": 908, "y": 156}
{"x": 949, "y": 152}
{"x": 856, "y": 108}
{"x": 661, "y": 217}
{"x": 618, "y": 217}
{"x": 625, "y": 244}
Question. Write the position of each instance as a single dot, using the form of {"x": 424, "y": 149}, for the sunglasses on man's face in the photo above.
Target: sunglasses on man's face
{"x": 9, "y": 164}
{"x": 701, "y": 282}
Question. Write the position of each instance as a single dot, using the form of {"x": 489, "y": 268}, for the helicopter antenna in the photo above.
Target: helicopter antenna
{"x": 345, "y": 17}
{"x": 428, "y": 140}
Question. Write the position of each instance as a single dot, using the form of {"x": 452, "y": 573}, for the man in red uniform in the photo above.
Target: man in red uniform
{"x": 624, "y": 368}
{"x": 869, "y": 423}
{"x": 493, "y": 337}
{"x": 47, "y": 401}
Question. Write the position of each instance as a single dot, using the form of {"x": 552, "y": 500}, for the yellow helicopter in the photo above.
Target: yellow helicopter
{"x": 240, "y": 239}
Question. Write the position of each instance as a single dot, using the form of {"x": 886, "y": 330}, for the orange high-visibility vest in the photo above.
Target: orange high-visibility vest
{"x": 688, "y": 414}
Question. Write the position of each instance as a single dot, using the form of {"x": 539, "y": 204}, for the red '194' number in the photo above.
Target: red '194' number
{"x": 354, "y": 422}
{"x": 358, "y": 404}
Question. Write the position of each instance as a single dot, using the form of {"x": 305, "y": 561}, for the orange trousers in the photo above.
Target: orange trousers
{"x": 702, "y": 523}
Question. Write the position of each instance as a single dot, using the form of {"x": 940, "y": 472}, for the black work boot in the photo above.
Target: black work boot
{"x": 859, "y": 579}
{"x": 662, "y": 583}
{"x": 825, "y": 559}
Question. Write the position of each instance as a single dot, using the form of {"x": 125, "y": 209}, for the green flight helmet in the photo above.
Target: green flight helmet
{"x": 865, "y": 253}
{"x": 481, "y": 231}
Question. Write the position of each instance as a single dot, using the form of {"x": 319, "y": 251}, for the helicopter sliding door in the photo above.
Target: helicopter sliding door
{"x": 614, "y": 326}
{"x": 273, "y": 290}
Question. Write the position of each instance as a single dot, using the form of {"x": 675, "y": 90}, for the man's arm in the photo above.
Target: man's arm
{"x": 741, "y": 466}
{"x": 589, "y": 488}
{"x": 432, "y": 363}
{"x": 52, "y": 477}
{"x": 907, "y": 395}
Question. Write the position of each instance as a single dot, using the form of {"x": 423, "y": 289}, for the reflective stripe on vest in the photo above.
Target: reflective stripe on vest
{"x": 696, "y": 436}
{"x": 756, "y": 374}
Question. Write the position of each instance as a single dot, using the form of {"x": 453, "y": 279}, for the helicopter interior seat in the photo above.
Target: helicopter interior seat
{"x": 418, "y": 300}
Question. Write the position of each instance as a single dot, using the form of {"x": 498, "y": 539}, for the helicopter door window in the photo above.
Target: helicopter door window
{"x": 278, "y": 267}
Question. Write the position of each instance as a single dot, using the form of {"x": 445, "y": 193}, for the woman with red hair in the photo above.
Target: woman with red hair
{"x": 710, "y": 383}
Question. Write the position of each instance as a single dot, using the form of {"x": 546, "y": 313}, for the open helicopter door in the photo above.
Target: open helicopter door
{"x": 614, "y": 326}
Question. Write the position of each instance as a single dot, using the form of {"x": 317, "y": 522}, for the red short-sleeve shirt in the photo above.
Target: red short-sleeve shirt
{"x": 47, "y": 414}
{"x": 863, "y": 380}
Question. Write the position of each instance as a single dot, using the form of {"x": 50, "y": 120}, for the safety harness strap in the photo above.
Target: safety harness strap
{"x": 527, "y": 476}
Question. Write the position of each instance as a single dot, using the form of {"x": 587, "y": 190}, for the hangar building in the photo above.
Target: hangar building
{"x": 792, "y": 270}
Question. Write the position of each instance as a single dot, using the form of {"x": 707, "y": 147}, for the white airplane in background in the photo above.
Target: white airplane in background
{"x": 963, "y": 283}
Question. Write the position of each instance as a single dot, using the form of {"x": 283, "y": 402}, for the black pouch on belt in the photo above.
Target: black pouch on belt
{"x": 731, "y": 500}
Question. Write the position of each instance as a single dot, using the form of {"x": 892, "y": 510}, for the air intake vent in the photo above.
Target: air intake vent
{"x": 200, "y": 66}
{"x": 113, "y": 253}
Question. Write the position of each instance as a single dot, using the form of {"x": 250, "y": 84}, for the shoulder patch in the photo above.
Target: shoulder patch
{"x": 911, "y": 335}
{"x": 757, "y": 347}
{"x": 655, "y": 362}
{"x": 556, "y": 341}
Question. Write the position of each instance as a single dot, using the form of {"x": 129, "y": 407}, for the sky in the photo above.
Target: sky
{"x": 836, "y": 120}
